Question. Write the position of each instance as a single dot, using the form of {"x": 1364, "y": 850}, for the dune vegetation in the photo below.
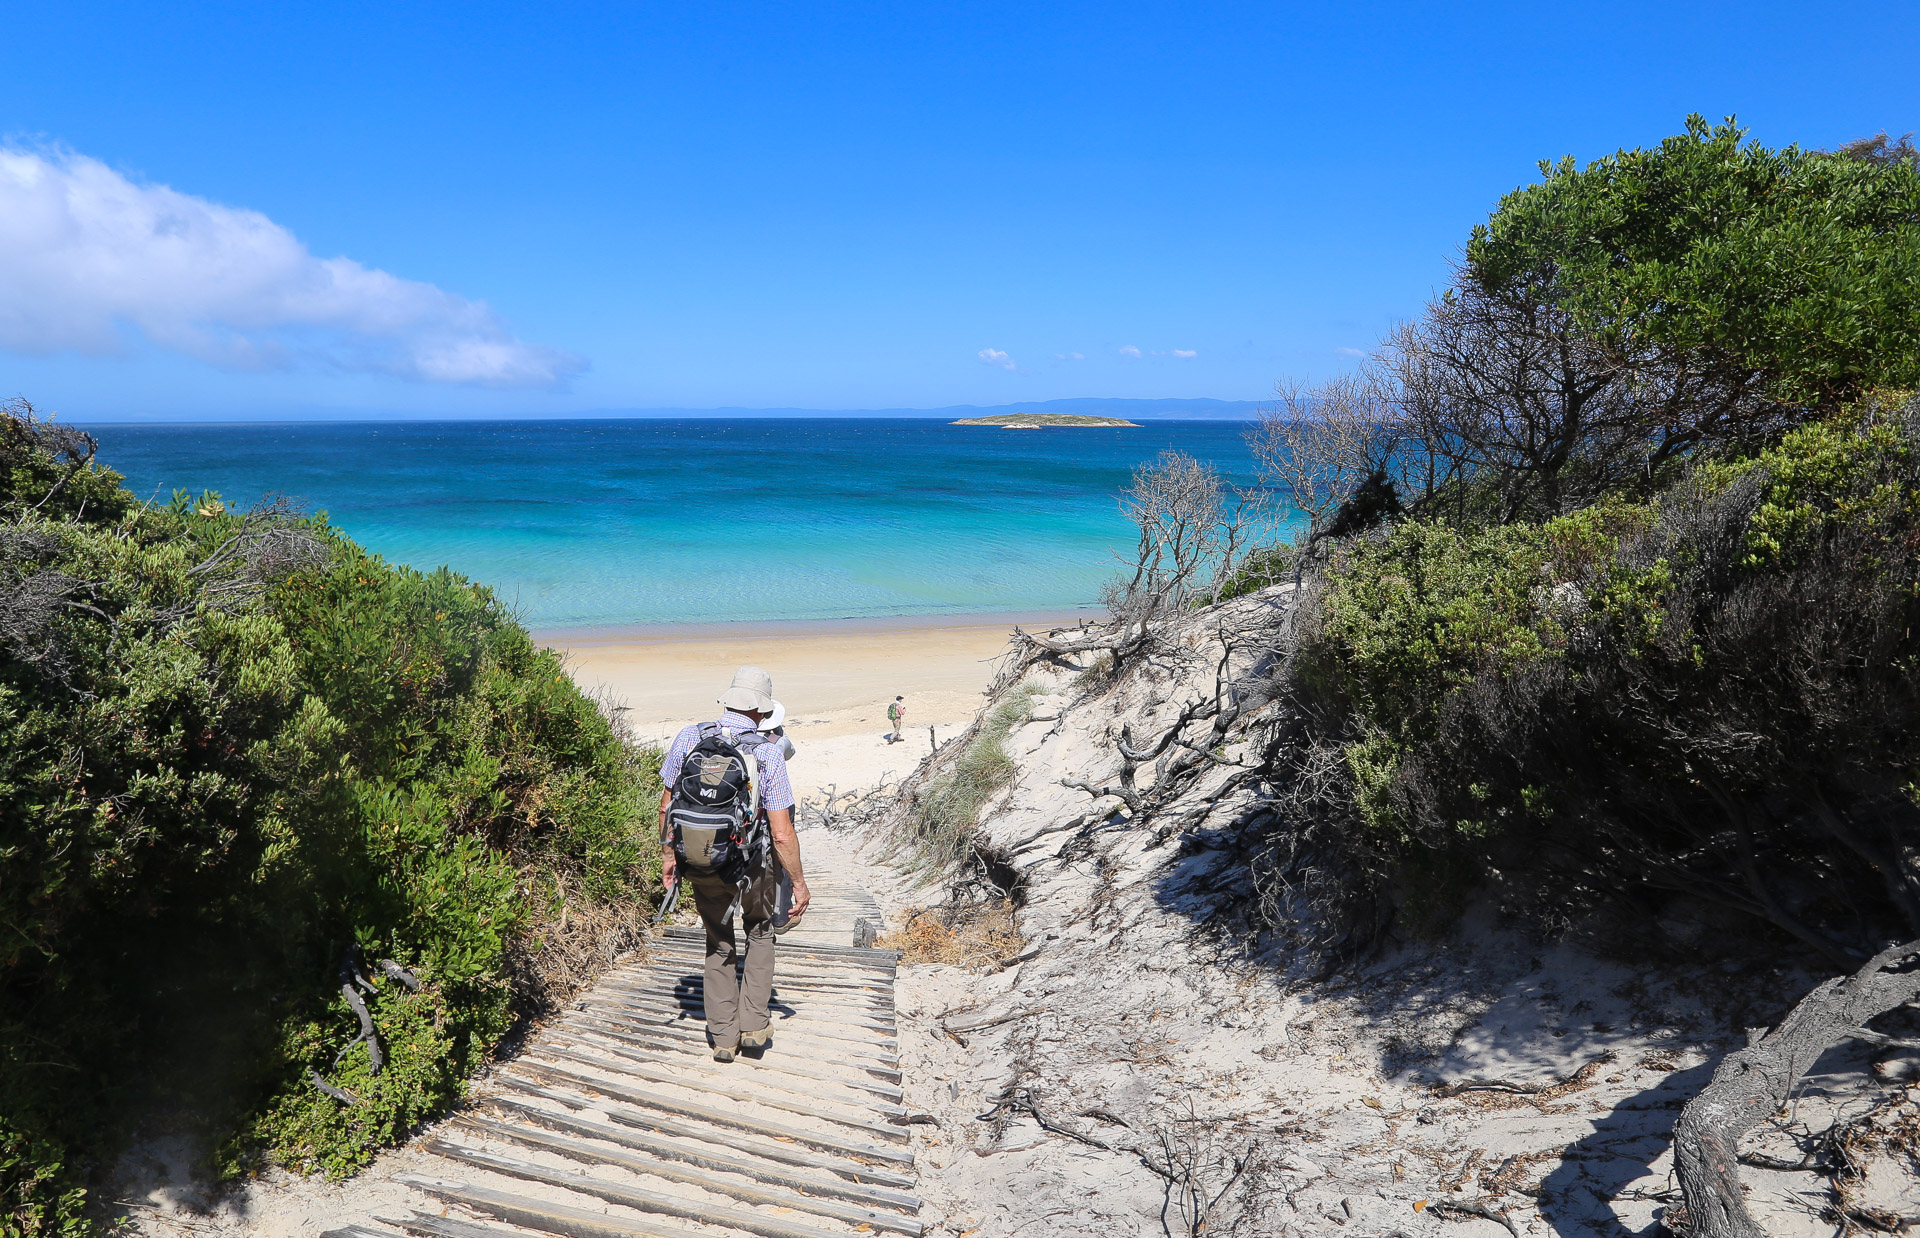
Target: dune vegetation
{"x": 1613, "y": 561}
{"x": 289, "y": 836}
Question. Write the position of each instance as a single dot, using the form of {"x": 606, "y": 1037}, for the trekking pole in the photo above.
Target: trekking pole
{"x": 670, "y": 901}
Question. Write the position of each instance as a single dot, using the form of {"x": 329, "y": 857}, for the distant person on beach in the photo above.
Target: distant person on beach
{"x": 726, "y": 829}
{"x": 897, "y": 714}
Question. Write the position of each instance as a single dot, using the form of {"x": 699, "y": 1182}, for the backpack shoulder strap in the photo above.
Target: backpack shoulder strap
{"x": 750, "y": 743}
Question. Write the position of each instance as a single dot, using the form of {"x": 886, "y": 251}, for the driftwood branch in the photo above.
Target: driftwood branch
{"x": 1753, "y": 1083}
{"x": 1476, "y": 1208}
{"x": 1104, "y": 639}
{"x": 1021, "y": 1100}
{"x": 345, "y": 1098}
{"x": 394, "y": 971}
{"x": 1573, "y": 1082}
{"x": 352, "y": 980}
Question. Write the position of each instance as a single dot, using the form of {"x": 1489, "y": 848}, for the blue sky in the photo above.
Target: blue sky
{"x": 552, "y": 209}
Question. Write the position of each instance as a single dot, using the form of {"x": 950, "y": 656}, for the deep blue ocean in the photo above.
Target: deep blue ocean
{"x": 589, "y": 523}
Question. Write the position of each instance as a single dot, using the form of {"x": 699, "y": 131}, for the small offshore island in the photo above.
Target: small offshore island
{"x": 1036, "y": 421}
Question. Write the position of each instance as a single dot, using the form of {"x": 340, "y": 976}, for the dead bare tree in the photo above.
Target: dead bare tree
{"x": 270, "y": 543}
{"x": 1194, "y": 531}
{"x": 1324, "y": 445}
{"x": 1505, "y": 394}
{"x": 1752, "y": 1084}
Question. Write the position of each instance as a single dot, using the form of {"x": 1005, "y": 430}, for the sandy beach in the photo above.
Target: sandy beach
{"x": 835, "y": 678}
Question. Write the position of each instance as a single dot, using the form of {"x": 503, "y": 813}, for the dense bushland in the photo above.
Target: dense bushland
{"x": 1614, "y": 564}
{"x": 243, "y": 766}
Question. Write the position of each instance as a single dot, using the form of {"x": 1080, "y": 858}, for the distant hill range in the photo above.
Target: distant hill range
{"x": 1035, "y": 421}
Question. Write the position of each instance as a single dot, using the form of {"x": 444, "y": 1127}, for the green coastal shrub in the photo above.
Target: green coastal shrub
{"x": 239, "y": 756}
{"x": 1712, "y": 697}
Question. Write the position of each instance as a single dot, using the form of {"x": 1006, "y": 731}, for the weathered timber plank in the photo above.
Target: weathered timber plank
{"x": 855, "y": 954}
{"x": 633, "y": 1069}
{"x": 650, "y": 977}
{"x": 821, "y": 971}
{"x": 694, "y": 1028}
{"x": 745, "y": 1192}
{"x": 871, "y": 1079}
{"x": 551, "y": 1218}
{"x": 705, "y": 1156}
{"x": 784, "y": 997}
{"x": 732, "y": 1141}
{"x": 786, "y": 958}
{"x": 686, "y": 1000}
{"x": 724, "y": 1118}
{"x": 658, "y": 1004}
{"x": 630, "y": 1196}
{"x": 730, "y": 1073}
{"x": 426, "y": 1225}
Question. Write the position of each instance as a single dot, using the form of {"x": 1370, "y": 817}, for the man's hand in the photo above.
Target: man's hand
{"x": 669, "y": 864}
{"x": 801, "y": 897}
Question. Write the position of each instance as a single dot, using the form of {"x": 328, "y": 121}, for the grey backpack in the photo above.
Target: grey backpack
{"x": 715, "y": 811}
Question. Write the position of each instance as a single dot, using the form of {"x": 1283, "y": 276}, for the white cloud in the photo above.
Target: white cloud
{"x": 1071, "y": 356}
{"x": 993, "y": 356}
{"x": 1185, "y": 352}
{"x": 1350, "y": 352}
{"x": 86, "y": 253}
{"x": 1128, "y": 350}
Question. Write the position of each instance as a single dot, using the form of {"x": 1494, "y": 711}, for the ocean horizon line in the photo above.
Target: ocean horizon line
{"x": 1170, "y": 409}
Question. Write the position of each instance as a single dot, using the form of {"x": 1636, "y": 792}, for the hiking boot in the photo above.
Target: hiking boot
{"x": 784, "y": 923}
{"x": 723, "y": 1055}
{"x": 756, "y": 1040}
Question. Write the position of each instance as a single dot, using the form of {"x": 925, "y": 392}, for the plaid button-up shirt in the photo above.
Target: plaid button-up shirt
{"x": 776, "y": 792}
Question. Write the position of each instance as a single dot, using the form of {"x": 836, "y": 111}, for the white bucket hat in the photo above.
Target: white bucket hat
{"x": 775, "y": 720}
{"x": 752, "y": 689}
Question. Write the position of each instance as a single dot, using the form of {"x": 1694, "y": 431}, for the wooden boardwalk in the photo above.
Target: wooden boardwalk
{"x": 616, "y": 1122}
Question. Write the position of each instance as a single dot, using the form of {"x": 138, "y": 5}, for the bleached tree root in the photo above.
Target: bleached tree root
{"x": 1753, "y": 1083}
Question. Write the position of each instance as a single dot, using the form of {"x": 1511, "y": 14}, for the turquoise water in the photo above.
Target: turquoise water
{"x": 589, "y": 523}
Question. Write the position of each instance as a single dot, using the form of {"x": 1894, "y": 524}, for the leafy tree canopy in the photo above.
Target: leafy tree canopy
{"x": 1789, "y": 274}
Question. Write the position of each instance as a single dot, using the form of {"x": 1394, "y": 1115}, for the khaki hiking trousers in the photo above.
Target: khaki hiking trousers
{"x": 724, "y": 995}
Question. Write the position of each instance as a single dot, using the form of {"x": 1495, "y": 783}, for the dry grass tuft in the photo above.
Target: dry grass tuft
{"x": 567, "y": 949}
{"x": 962, "y": 934}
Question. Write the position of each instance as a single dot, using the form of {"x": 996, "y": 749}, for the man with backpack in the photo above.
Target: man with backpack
{"x": 726, "y": 829}
{"x": 897, "y": 714}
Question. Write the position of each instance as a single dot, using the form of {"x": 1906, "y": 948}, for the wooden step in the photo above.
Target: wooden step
{"x": 676, "y": 995}
{"x": 703, "y": 1066}
{"x": 653, "y": 977}
{"x": 739, "y": 1161}
{"x": 717, "y": 1182}
{"x": 813, "y": 1107}
{"x": 727, "y": 1119}
{"x": 797, "y": 958}
{"x": 569, "y": 1220}
{"x": 635, "y": 1197}
{"x": 783, "y": 1153}
{"x": 868, "y": 956}
{"x": 868, "y": 1048}
{"x": 877, "y": 1080}
{"x": 667, "y": 1008}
